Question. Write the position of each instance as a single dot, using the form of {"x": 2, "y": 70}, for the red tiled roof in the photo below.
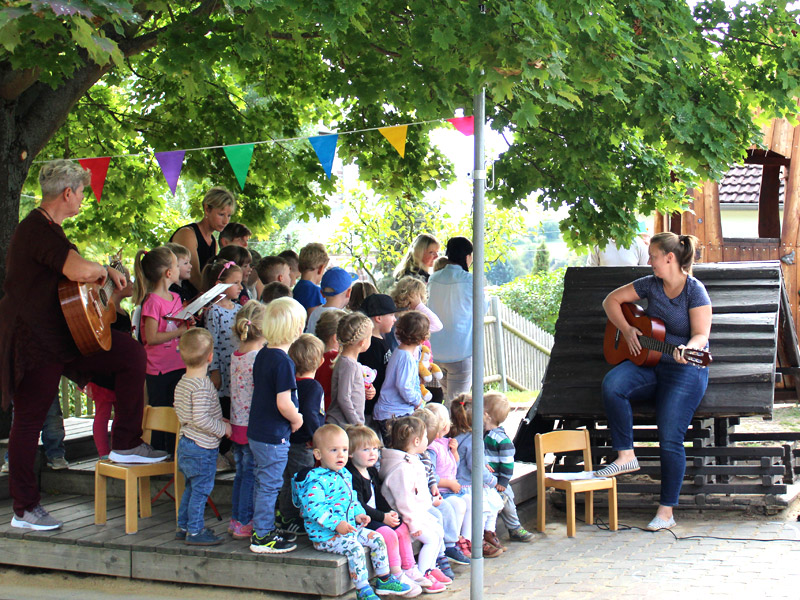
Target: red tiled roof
{"x": 742, "y": 185}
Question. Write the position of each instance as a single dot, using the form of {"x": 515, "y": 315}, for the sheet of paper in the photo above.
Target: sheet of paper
{"x": 573, "y": 476}
{"x": 202, "y": 300}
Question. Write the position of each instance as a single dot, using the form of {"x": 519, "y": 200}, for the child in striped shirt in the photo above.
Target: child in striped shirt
{"x": 202, "y": 427}
{"x": 499, "y": 452}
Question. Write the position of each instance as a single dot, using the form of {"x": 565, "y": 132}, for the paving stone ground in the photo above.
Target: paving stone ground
{"x": 595, "y": 564}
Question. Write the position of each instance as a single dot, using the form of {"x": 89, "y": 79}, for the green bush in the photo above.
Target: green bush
{"x": 536, "y": 297}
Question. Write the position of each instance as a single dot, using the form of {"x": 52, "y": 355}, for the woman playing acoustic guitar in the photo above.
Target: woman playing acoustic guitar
{"x": 677, "y": 387}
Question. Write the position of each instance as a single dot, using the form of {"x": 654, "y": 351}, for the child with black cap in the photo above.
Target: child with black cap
{"x": 335, "y": 286}
{"x": 381, "y": 309}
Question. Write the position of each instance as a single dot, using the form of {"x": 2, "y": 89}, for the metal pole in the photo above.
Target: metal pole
{"x": 478, "y": 226}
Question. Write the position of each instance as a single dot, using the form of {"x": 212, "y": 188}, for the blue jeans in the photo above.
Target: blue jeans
{"x": 199, "y": 466}
{"x": 300, "y": 457}
{"x": 677, "y": 391}
{"x": 243, "y": 484}
{"x": 270, "y": 464}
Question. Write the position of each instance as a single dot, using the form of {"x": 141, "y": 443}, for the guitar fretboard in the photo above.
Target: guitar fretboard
{"x": 657, "y": 345}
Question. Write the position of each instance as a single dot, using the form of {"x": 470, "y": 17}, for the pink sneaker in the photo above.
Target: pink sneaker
{"x": 439, "y": 576}
{"x": 233, "y": 525}
{"x": 414, "y": 574}
{"x": 243, "y": 532}
{"x": 435, "y": 586}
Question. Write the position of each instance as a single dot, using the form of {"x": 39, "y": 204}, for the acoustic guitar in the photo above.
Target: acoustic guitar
{"x": 615, "y": 348}
{"x": 89, "y": 311}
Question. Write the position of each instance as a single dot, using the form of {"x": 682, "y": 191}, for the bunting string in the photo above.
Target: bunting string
{"x": 240, "y": 155}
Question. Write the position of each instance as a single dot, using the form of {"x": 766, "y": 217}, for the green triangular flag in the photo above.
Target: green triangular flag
{"x": 239, "y": 156}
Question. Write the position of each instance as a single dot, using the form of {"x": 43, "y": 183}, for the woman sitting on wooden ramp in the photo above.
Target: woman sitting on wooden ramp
{"x": 676, "y": 386}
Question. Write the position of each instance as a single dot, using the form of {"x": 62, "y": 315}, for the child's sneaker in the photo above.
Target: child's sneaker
{"x": 205, "y": 538}
{"x": 233, "y": 524}
{"x": 491, "y": 538}
{"x": 392, "y": 585}
{"x": 456, "y": 556}
{"x": 295, "y": 527}
{"x": 243, "y": 532}
{"x": 180, "y": 534}
{"x": 414, "y": 574}
{"x": 521, "y": 535}
{"x": 270, "y": 543}
{"x": 440, "y": 577}
{"x": 434, "y": 585}
{"x": 366, "y": 593}
{"x": 415, "y": 590}
{"x": 286, "y": 535}
{"x": 443, "y": 564}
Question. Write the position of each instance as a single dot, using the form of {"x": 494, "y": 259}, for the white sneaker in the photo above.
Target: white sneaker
{"x": 416, "y": 589}
{"x": 414, "y": 574}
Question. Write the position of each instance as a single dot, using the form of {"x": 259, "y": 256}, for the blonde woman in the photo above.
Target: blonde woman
{"x": 418, "y": 261}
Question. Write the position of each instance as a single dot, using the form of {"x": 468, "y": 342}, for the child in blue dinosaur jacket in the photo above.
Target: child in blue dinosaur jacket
{"x": 335, "y": 520}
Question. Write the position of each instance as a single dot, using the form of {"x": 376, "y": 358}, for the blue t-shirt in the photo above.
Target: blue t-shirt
{"x": 310, "y": 396}
{"x": 273, "y": 373}
{"x": 308, "y": 293}
{"x": 673, "y": 311}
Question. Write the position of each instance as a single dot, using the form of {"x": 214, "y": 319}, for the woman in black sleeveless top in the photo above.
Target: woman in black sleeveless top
{"x": 218, "y": 206}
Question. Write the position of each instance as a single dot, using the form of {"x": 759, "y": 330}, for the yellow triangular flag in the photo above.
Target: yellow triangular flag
{"x": 397, "y": 137}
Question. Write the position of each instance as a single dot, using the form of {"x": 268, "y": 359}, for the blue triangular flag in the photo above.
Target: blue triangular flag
{"x": 325, "y": 147}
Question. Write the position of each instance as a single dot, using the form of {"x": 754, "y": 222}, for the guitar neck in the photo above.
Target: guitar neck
{"x": 657, "y": 345}
{"x": 108, "y": 286}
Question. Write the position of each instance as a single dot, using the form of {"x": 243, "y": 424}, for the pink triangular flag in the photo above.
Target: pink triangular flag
{"x": 465, "y": 125}
{"x": 98, "y": 167}
{"x": 171, "y": 164}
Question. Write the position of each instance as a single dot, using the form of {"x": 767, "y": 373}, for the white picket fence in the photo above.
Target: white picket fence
{"x": 516, "y": 351}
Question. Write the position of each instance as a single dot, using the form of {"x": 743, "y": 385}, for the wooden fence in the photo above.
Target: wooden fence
{"x": 519, "y": 359}
{"x": 516, "y": 351}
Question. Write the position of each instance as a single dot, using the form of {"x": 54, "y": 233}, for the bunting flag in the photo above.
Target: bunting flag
{"x": 397, "y": 137}
{"x": 98, "y": 167}
{"x": 325, "y": 147}
{"x": 171, "y": 164}
{"x": 239, "y": 157}
{"x": 465, "y": 125}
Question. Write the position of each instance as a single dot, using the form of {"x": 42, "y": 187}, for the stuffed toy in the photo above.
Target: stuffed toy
{"x": 428, "y": 371}
{"x": 369, "y": 376}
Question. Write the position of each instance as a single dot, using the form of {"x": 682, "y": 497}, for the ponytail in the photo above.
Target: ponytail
{"x": 461, "y": 415}
{"x": 683, "y": 247}
{"x": 249, "y": 320}
{"x": 148, "y": 269}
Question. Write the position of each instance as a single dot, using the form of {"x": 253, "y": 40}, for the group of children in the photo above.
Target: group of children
{"x": 304, "y": 426}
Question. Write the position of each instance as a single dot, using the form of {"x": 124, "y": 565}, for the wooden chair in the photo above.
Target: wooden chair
{"x": 160, "y": 418}
{"x": 568, "y": 441}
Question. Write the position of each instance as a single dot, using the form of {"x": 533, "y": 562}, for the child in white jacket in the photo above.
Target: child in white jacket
{"x": 405, "y": 487}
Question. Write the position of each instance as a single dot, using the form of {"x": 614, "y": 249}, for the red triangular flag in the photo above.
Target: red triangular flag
{"x": 98, "y": 167}
{"x": 465, "y": 125}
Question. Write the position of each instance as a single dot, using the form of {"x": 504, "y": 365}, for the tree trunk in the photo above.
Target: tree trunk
{"x": 29, "y": 117}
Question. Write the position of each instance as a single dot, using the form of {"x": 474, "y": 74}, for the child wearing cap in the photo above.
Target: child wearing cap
{"x": 381, "y": 309}
{"x": 335, "y": 287}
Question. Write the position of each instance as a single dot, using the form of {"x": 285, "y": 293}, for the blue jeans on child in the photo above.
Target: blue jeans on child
{"x": 677, "y": 391}
{"x": 300, "y": 457}
{"x": 243, "y": 484}
{"x": 199, "y": 466}
{"x": 270, "y": 462}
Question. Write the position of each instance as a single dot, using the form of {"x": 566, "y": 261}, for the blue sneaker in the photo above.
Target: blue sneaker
{"x": 391, "y": 586}
{"x": 443, "y": 564}
{"x": 205, "y": 538}
{"x": 455, "y": 555}
{"x": 180, "y": 534}
{"x": 366, "y": 593}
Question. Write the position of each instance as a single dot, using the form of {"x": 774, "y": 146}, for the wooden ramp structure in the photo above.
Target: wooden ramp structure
{"x": 751, "y": 328}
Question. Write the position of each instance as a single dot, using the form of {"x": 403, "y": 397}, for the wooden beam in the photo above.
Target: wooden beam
{"x": 769, "y": 224}
{"x": 766, "y": 157}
